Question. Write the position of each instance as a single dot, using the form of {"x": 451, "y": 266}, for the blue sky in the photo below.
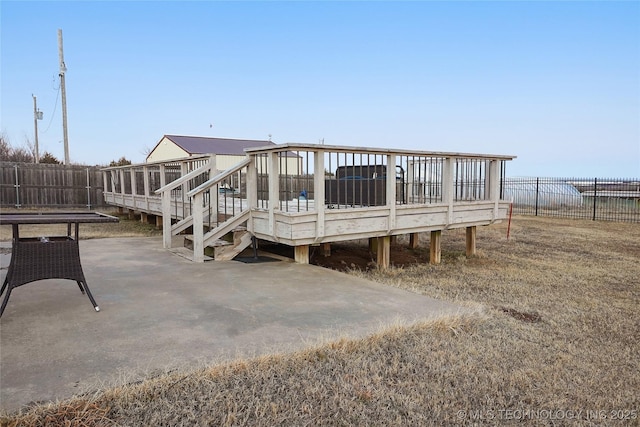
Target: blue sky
{"x": 555, "y": 83}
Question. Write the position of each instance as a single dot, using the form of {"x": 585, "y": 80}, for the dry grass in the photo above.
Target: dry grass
{"x": 560, "y": 333}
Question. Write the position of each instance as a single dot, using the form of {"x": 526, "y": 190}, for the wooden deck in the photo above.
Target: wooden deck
{"x": 362, "y": 193}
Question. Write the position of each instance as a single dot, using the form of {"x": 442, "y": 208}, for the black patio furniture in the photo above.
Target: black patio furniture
{"x": 38, "y": 258}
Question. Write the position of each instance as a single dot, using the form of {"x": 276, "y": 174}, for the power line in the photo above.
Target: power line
{"x": 54, "y": 110}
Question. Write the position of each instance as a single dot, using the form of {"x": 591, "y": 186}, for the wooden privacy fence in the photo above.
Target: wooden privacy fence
{"x": 40, "y": 185}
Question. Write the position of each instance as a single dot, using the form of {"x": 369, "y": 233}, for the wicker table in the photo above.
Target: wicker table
{"x": 47, "y": 257}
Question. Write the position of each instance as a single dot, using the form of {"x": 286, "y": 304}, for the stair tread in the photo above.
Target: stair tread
{"x": 186, "y": 253}
{"x": 214, "y": 244}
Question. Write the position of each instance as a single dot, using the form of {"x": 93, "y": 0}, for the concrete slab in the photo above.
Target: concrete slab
{"x": 159, "y": 311}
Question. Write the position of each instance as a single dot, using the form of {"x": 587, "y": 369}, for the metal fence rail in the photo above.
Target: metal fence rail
{"x": 40, "y": 185}
{"x": 604, "y": 199}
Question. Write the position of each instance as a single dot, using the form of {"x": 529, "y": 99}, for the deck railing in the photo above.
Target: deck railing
{"x": 316, "y": 184}
{"x": 363, "y": 177}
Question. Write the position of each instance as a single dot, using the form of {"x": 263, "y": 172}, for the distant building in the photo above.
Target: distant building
{"x": 228, "y": 151}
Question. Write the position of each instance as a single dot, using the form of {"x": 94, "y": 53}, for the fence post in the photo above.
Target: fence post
{"x": 88, "y": 191}
{"x": 595, "y": 195}
{"x": 16, "y": 186}
{"x": 537, "y": 192}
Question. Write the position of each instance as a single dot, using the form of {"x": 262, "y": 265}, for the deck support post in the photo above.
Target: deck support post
{"x": 373, "y": 245}
{"x": 302, "y": 254}
{"x": 131, "y": 214}
{"x": 384, "y": 252}
{"x": 144, "y": 218}
{"x": 471, "y": 241}
{"x": 435, "y": 253}
{"x": 326, "y": 249}
{"x": 414, "y": 240}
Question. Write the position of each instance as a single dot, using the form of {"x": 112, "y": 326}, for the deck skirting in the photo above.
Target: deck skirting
{"x": 350, "y": 224}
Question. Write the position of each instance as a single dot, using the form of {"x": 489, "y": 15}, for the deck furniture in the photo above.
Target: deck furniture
{"x": 38, "y": 258}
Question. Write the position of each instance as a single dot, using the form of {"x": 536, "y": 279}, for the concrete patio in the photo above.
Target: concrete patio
{"x": 159, "y": 312}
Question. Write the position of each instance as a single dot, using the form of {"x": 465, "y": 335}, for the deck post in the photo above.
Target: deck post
{"x": 471, "y": 241}
{"x": 184, "y": 169}
{"x": 198, "y": 228}
{"x": 435, "y": 252}
{"x": 123, "y": 191}
{"x": 384, "y": 252}
{"x": 274, "y": 191}
{"x": 410, "y": 182}
{"x": 414, "y": 240}
{"x": 214, "y": 205}
{"x": 113, "y": 181}
{"x": 166, "y": 211}
{"x": 302, "y": 254}
{"x": 391, "y": 191}
{"x": 134, "y": 184}
{"x": 447, "y": 188}
{"x": 252, "y": 190}
{"x": 494, "y": 186}
{"x": 105, "y": 182}
{"x": 147, "y": 186}
{"x": 144, "y": 217}
{"x": 318, "y": 192}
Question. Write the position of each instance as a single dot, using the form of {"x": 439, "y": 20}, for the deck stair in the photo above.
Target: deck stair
{"x": 223, "y": 248}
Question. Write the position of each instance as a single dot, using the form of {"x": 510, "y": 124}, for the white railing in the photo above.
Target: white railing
{"x": 221, "y": 198}
{"x": 323, "y": 190}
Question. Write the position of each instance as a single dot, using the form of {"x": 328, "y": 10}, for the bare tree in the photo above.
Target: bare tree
{"x": 146, "y": 150}
{"x": 5, "y": 148}
{"x": 29, "y": 146}
{"x": 13, "y": 154}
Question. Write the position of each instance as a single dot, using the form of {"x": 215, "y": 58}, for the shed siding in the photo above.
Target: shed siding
{"x": 166, "y": 150}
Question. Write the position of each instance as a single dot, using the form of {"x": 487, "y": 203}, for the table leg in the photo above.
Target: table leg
{"x": 90, "y": 296}
{"x": 6, "y": 297}
{"x": 4, "y": 285}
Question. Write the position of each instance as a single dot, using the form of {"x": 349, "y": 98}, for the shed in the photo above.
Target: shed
{"x": 227, "y": 150}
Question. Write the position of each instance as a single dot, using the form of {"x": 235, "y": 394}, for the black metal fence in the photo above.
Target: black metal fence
{"x": 47, "y": 185}
{"x": 605, "y": 199}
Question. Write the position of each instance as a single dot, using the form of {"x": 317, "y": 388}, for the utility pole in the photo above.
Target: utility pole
{"x": 63, "y": 70}
{"x": 37, "y": 115}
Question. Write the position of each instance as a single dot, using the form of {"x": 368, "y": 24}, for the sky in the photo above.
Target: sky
{"x": 556, "y": 84}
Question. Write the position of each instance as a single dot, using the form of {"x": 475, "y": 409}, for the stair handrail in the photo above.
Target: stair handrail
{"x": 184, "y": 178}
{"x": 197, "y": 196}
{"x": 218, "y": 178}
